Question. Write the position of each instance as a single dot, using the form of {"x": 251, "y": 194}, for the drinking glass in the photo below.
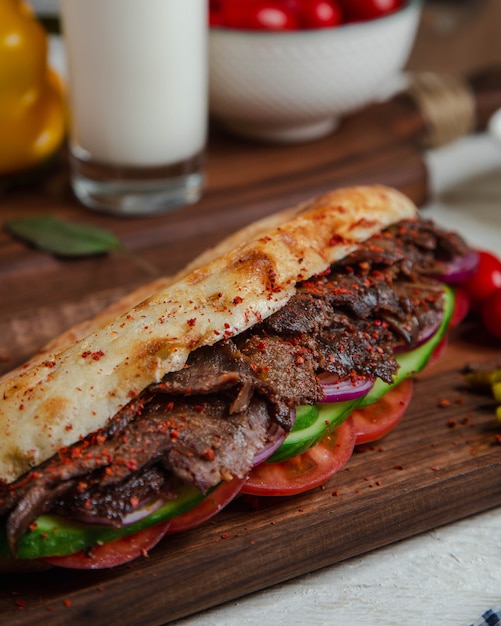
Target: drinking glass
{"x": 137, "y": 91}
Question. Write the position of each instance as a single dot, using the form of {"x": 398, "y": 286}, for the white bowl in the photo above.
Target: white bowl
{"x": 295, "y": 86}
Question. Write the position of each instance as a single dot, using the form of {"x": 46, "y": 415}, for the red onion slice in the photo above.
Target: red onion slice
{"x": 142, "y": 512}
{"x": 458, "y": 270}
{"x": 336, "y": 390}
{"x": 424, "y": 334}
{"x": 278, "y": 434}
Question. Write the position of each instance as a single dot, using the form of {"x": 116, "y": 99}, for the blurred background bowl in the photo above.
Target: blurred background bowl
{"x": 293, "y": 86}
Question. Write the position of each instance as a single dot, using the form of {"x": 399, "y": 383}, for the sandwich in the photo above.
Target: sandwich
{"x": 194, "y": 389}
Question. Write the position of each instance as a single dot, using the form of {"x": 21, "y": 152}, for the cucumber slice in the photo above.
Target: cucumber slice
{"x": 54, "y": 535}
{"x": 312, "y": 424}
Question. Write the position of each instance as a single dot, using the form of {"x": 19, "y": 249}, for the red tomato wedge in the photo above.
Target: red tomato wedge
{"x": 376, "y": 420}
{"x": 307, "y": 470}
{"x": 439, "y": 351}
{"x": 213, "y": 503}
{"x": 462, "y": 305}
{"x": 115, "y": 552}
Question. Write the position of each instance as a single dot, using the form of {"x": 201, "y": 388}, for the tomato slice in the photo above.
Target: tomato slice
{"x": 307, "y": 470}
{"x": 115, "y": 552}
{"x": 212, "y": 504}
{"x": 462, "y": 305}
{"x": 376, "y": 420}
{"x": 438, "y": 351}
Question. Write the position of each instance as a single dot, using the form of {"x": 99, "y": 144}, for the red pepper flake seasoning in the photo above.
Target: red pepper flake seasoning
{"x": 192, "y": 321}
{"x": 498, "y": 438}
{"x": 94, "y": 355}
{"x": 335, "y": 493}
{"x": 67, "y": 602}
{"x": 20, "y": 603}
{"x": 451, "y": 423}
{"x": 443, "y": 403}
{"x": 335, "y": 240}
{"x": 434, "y": 468}
{"x": 224, "y": 535}
{"x": 208, "y": 454}
{"x": 237, "y": 300}
{"x": 398, "y": 467}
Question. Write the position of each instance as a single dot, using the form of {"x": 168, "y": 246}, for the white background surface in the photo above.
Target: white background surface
{"x": 446, "y": 577}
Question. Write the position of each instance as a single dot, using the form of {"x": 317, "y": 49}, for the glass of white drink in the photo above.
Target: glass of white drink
{"x": 137, "y": 78}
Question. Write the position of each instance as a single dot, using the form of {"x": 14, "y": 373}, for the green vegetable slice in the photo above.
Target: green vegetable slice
{"x": 312, "y": 424}
{"x": 53, "y": 535}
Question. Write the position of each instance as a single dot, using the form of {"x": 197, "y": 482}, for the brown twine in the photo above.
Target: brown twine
{"x": 447, "y": 105}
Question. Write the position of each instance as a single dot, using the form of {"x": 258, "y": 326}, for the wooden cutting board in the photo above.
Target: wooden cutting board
{"x": 442, "y": 463}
